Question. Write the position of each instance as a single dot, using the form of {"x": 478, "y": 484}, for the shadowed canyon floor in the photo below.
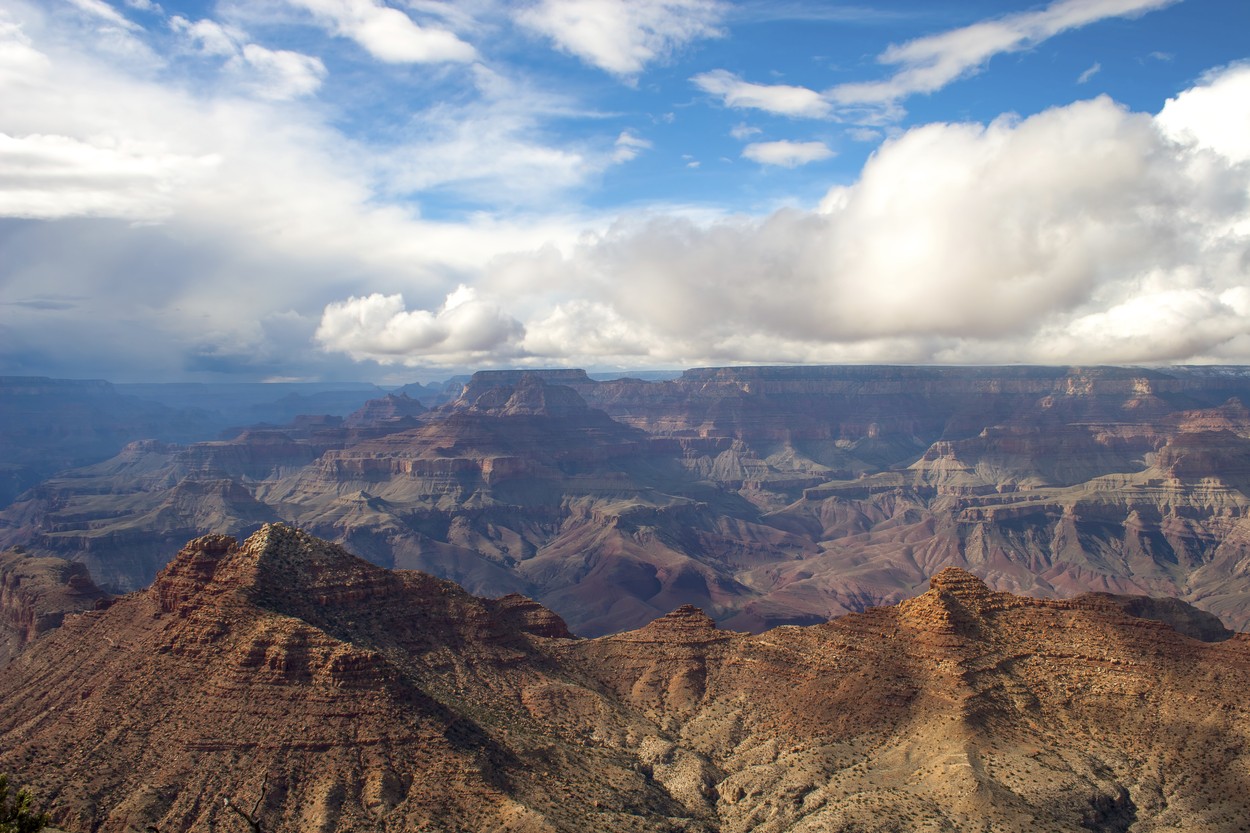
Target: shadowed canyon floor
{"x": 764, "y": 496}
{"x": 336, "y": 695}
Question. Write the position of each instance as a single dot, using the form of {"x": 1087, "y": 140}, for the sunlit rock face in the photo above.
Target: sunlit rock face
{"x": 763, "y": 496}
{"x": 321, "y": 692}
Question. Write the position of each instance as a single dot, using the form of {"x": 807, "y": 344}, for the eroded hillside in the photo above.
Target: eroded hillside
{"x": 333, "y": 695}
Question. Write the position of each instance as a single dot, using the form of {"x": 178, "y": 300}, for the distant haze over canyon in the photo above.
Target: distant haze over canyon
{"x": 763, "y": 495}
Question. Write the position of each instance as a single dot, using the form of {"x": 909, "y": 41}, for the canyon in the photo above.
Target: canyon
{"x": 764, "y": 496}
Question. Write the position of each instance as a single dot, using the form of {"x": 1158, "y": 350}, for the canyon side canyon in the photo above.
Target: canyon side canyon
{"x": 762, "y": 495}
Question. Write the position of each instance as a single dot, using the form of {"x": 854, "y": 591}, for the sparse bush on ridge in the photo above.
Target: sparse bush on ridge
{"x": 17, "y": 813}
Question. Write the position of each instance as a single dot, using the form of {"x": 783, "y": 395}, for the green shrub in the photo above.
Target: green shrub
{"x": 16, "y": 813}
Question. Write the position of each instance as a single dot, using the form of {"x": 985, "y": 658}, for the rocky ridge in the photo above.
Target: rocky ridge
{"x": 334, "y": 695}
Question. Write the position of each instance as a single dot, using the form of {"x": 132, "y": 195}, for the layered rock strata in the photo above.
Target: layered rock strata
{"x": 764, "y": 496}
{"x": 286, "y": 675}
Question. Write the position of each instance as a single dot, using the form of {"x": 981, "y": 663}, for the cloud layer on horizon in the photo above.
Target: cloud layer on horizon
{"x": 1086, "y": 233}
{"x": 228, "y": 226}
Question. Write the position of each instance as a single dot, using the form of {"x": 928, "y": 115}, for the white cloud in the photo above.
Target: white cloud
{"x": 587, "y": 329}
{"x": 628, "y": 145}
{"x": 19, "y": 59}
{"x": 387, "y": 33}
{"x": 623, "y": 36}
{"x": 379, "y": 327}
{"x": 208, "y": 37}
{"x": 52, "y": 177}
{"x": 924, "y": 65}
{"x": 1202, "y": 115}
{"x": 112, "y": 33}
{"x": 208, "y": 211}
{"x": 201, "y": 228}
{"x": 281, "y": 74}
{"x": 787, "y": 154}
{"x": 1151, "y": 327}
{"x": 1083, "y": 234}
{"x": 102, "y": 10}
{"x": 775, "y": 98}
{"x": 278, "y": 75}
{"x": 1093, "y": 70}
{"x": 742, "y": 132}
{"x": 865, "y": 134}
{"x": 494, "y": 147}
{"x": 930, "y": 63}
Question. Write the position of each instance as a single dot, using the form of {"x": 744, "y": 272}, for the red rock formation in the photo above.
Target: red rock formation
{"x": 35, "y": 596}
{"x": 334, "y": 696}
{"x": 762, "y": 495}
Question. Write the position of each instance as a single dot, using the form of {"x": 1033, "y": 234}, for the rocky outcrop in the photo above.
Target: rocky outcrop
{"x": 35, "y": 596}
{"x": 1181, "y": 617}
{"x": 393, "y": 411}
{"x": 284, "y": 674}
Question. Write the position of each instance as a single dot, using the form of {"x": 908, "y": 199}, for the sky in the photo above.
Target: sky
{"x": 402, "y": 190}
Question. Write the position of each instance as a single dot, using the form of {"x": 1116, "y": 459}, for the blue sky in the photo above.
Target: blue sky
{"x": 397, "y": 190}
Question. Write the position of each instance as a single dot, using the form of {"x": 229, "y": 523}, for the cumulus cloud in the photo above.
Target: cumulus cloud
{"x": 386, "y": 33}
{"x": 787, "y": 154}
{"x": 201, "y": 228}
{"x": 464, "y": 330}
{"x": 780, "y": 99}
{"x": 1086, "y": 233}
{"x": 929, "y": 63}
{"x": 581, "y": 330}
{"x": 628, "y": 145}
{"x": 623, "y": 36}
{"x": 274, "y": 74}
{"x": 1202, "y": 115}
{"x": 188, "y": 215}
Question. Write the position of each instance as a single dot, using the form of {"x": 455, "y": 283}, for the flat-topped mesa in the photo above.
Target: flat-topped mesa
{"x": 530, "y": 395}
{"x": 485, "y": 381}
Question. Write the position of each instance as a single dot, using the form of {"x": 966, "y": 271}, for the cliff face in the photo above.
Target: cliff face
{"x": 35, "y": 596}
{"x": 764, "y": 496}
{"x": 332, "y": 695}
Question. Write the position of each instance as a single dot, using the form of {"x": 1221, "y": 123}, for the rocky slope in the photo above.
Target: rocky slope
{"x": 331, "y": 695}
{"x": 764, "y": 496}
{"x": 35, "y": 596}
